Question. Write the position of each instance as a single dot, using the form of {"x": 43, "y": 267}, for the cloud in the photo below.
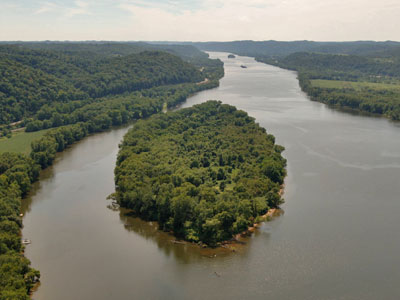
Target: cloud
{"x": 201, "y": 20}
{"x": 46, "y": 7}
{"x": 267, "y": 19}
{"x": 80, "y": 8}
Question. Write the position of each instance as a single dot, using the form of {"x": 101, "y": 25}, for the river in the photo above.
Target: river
{"x": 339, "y": 236}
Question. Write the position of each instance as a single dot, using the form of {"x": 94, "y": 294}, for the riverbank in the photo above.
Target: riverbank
{"x": 240, "y": 239}
{"x": 268, "y": 216}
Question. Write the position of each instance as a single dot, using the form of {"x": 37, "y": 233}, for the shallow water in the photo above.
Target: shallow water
{"x": 338, "y": 239}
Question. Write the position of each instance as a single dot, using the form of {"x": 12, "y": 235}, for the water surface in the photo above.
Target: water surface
{"x": 338, "y": 239}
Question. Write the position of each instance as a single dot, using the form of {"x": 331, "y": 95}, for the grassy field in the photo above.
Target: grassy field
{"x": 20, "y": 141}
{"x": 358, "y": 86}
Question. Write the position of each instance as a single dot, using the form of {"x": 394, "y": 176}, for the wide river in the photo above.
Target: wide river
{"x": 339, "y": 236}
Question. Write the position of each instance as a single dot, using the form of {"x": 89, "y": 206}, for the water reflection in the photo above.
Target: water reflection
{"x": 45, "y": 175}
{"x": 183, "y": 251}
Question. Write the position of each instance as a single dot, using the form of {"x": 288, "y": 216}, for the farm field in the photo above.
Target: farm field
{"x": 20, "y": 142}
{"x": 356, "y": 85}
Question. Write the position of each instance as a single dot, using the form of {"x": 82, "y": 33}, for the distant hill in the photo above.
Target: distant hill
{"x": 340, "y": 63}
{"x": 280, "y": 48}
{"x": 186, "y": 52}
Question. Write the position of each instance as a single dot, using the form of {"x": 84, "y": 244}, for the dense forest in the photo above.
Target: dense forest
{"x": 78, "y": 92}
{"x": 17, "y": 172}
{"x": 205, "y": 173}
{"x": 30, "y": 79}
{"x": 52, "y": 85}
{"x": 188, "y": 53}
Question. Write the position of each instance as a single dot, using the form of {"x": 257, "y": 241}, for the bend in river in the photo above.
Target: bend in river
{"x": 338, "y": 238}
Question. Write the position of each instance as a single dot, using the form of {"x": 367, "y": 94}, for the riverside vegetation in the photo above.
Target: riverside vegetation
{"x": 206, "y": 173}
{"x": 79, "y": 92}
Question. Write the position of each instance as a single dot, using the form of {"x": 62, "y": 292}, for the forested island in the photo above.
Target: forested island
{"x": 65, "y": 92}
{"x": 205, "y": 173}
{"x": 362, "y": 76}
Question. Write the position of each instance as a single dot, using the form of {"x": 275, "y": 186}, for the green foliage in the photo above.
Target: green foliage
{"x": 17, "y": 172}
{"x": 31, "y": 79}
{"x": 61, "y": 83}
{"x": 340, "y": 66}
{"x": 194, "y": 172}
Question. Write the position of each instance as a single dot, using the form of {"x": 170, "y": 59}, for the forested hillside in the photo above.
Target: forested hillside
{"x": 188, "y": 53}
{"x": 342, "y": 67}
{"x": 281, "y": 49}
{"x": 30, "y": 79}
{"x": 205, "y": 173}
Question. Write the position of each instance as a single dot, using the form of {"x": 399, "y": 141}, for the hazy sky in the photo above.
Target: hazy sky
{"x": 184, "y": 20}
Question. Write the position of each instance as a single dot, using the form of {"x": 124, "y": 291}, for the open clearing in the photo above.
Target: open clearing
{"x": 20, "y": 141}
{"x": 358, "y": 86}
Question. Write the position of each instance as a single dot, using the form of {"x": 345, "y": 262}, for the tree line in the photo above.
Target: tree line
{"x": 17, "y": 172}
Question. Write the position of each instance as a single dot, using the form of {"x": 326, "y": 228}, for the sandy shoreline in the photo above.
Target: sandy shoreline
{"x": 238, "y": 238}
{"x": 237, "y": 242}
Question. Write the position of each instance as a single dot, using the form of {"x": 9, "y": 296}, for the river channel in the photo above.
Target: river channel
{"x": 339, "y": 236}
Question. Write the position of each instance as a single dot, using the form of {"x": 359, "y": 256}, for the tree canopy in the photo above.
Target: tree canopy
{"x": 30, "y": 79}
{"x": 205, "y": 173}
{"x": 17, "y": 172}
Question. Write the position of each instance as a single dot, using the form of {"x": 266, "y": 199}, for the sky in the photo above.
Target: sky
{"x": 195, "y": 20}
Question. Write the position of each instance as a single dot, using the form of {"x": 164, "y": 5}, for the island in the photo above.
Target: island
{"x": 231, "y": 56}
{"x": 204, "y": 173}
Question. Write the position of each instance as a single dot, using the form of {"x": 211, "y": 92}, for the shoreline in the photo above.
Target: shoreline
{"x": 268, "y": 216}
{"x": 238, "y": 239}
